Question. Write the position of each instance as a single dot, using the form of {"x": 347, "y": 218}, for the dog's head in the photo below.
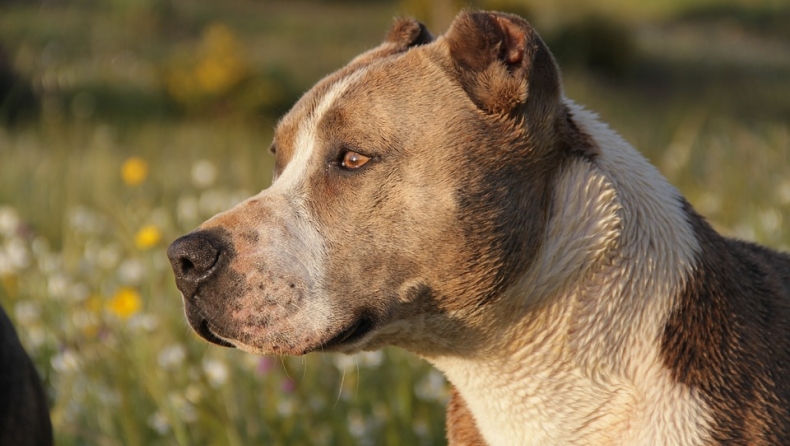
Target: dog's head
{"x": 411, "y": 189}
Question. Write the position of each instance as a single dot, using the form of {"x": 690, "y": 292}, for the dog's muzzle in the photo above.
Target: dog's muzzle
{"x": 196, "y": 258}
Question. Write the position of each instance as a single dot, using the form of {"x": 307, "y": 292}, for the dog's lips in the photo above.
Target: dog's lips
{"x": 203, "y": 328}
{"x": 358, "y": 330}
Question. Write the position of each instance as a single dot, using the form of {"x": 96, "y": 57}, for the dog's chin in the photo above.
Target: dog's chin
{"x": 351, "y": 339}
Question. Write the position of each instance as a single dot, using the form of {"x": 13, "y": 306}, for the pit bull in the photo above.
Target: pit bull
{"x": 444, "y": 196}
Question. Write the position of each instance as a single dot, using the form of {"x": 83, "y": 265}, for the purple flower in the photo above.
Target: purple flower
{"x": 265, "y": 365}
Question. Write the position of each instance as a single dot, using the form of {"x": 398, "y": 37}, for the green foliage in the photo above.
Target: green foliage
{"x": 118, "y": 165}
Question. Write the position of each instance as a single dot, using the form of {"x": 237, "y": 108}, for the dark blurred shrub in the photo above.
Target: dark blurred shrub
{"x": 17, "y": 100}
{"x": 772, "y": 20}
{"x": 215, "y": 78}
{"x": 597, "y": 44}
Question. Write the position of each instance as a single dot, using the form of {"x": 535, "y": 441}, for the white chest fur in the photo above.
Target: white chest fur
{"x": 579, "y": 363}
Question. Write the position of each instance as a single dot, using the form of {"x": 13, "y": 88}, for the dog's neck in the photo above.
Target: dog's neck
{"x": 579, "y": 361}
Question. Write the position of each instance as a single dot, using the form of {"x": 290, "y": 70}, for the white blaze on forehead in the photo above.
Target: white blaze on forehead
{"x": 307, "y": 137}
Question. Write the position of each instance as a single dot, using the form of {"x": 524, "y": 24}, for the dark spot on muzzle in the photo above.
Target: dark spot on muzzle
{"x": 196, "y": 257}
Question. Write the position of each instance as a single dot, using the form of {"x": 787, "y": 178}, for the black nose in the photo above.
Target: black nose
{"x": 194, "y": 258}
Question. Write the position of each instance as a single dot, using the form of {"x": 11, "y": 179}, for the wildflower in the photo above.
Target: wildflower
{"x": 134, "y": 171}
{"x": 171, "y": 357}
{"x": 216, "y": 372}
{"x": 288, "y": 386}
{"x": 371, "y": 359}
{"x": 159, "y": 422}
{"x": 131, "y": 271}
{"x": 143, "y": 322}
{"x": 125, "y": 303}
{"x": 9, "y": 221}
{"x": 431, "y": 387}
{"x": 27, "y": 312}
{"x": 204, "y": 173}
{"x": 265, "y": 365}
{"x": 147, "y": 237}
{"x": 65, "y": 361}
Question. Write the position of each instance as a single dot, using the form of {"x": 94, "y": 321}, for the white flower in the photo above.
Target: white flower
{"x": 186, "y": 411}
{"x": 187, "y": 209}
{"x": 771, "y": 220}
{"x": 17, "y": 253}
{"x": 131, "y": 271}
{"x": 66, "y": 361}
{"x": 286, "y": 407}
{"x": 431, "y": 387}
{"x": 109, "y": 256}
{"x": 143, "y": 322}
{"x": 58, "y": 285}
{"x": 342, "y": 362}
{"x": 158, "y": 422}
{"x": 9, "y": 221}
{"x": 79, "y": 292}
{"x": 371, "y": 360}
{"x": 783, "y": 192}
{"x": 216, "y": 372}
{"x": 171, "y": 357}
{"x": 27, "y": 312}
{"x": 203, "y": 173}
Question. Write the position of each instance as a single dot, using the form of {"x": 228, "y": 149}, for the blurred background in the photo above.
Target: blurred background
{"x": 125, "y": 123}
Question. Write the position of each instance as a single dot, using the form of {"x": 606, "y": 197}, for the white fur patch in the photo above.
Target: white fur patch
{"x": 581, "y": 364}
{"x": 307, "y": 137}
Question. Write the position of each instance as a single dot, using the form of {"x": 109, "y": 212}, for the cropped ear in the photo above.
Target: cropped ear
{"x": 407, "y": 32}
{"x": 503, "y": 65}
{"x": 404, "y": 34}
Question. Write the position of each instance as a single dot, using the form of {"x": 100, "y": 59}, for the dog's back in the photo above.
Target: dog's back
{"x": 729, "y": 337}
{"x": 24, "y": 413}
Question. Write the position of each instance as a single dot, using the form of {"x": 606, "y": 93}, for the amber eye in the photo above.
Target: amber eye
{"x": 354, "y": 160}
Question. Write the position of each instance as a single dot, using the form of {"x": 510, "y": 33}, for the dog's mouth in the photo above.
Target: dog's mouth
{"x": 205, "y": 332}
{"x": 352, "y": 334}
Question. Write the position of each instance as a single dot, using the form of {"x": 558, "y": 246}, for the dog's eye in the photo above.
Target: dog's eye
{"x": 353, "y": 160}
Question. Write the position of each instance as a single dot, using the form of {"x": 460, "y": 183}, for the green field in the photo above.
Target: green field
{"x": 147, "y": 117}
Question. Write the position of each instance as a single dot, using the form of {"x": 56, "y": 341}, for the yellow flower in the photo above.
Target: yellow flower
{"x": 125, "y": 303}
{"x": 147, "y": 237}
{"x": 134, "y": 171}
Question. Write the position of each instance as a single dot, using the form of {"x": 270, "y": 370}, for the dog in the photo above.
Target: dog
{"x": 442, "y": 195}
{"x": 24, "y": 411}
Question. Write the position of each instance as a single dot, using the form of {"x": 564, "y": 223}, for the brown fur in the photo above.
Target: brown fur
{"x": 461, "y": 427}
{"x": 730, "y": 338}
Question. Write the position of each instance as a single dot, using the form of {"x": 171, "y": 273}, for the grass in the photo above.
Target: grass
{"x": 84, "y": 275}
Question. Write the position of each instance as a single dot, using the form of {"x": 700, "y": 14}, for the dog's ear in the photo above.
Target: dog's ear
{"x": 503, "y": 65}
{"x": 408, "y": 32}
{"x": 404, "y": 34}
